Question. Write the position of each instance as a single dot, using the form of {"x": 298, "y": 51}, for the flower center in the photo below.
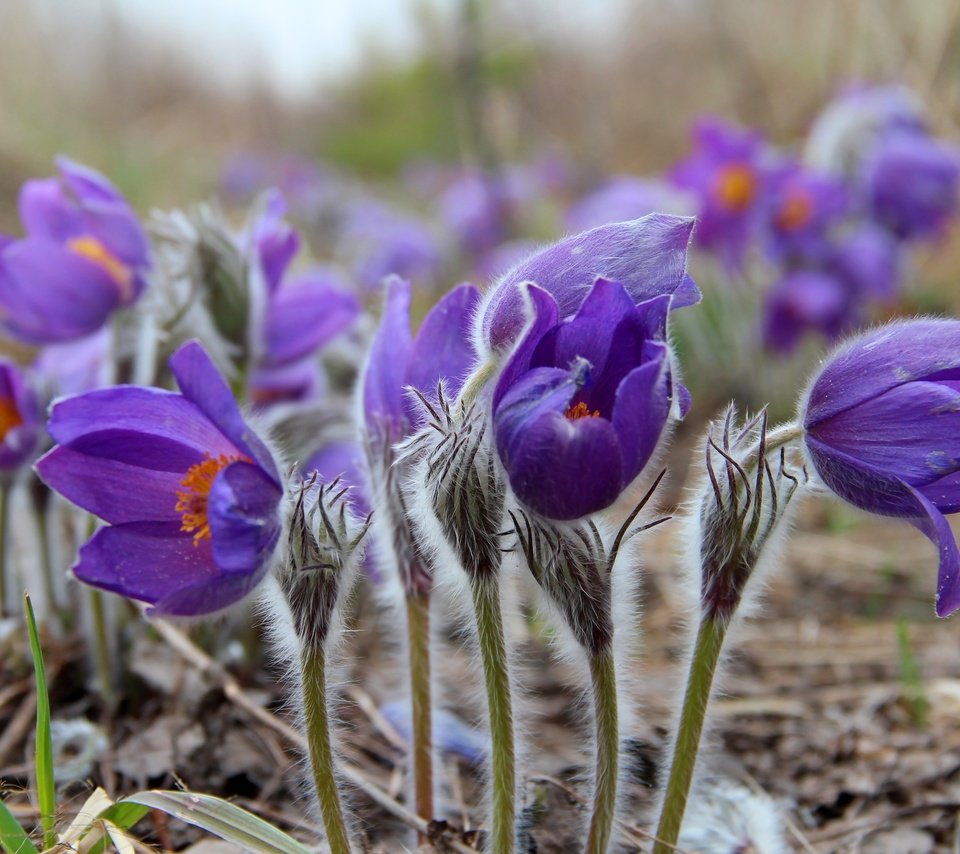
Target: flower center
{"x": 10, "y": 416}
{"x": 581, "y": 410}
{"x": 93, "y": 250}
{"x": 192, "y": 499}
{"x": 795, "y": 212}
{"x": 735, "y": 186}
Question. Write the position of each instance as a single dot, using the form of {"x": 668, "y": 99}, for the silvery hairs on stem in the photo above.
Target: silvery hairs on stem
{"x": 725, "y": 817}
{"x": 456, "y": 491}
{"x": 738, "y": 517}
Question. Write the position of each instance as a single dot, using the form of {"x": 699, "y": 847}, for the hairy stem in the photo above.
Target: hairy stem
{"x": 703, "y": 667}
{"x": 496, "y": 676}
{"x": 101, "y": 646}
{"x": 46, "y": 561}
{"x": 418, "y": 635}
{"x": 603, "y": 677}
{"x": 317, "y": 716}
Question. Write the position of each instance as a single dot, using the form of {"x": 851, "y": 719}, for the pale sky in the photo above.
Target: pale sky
{"x": 295, "y": 43}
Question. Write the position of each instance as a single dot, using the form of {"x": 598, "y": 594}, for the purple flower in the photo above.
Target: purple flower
{"x": 869, "y": 260}
{"x": 912, "y": 182}
{"x": 344, "y": 459}
{"x": 581, "y": 404}
{"x": 806, "y": 301}
{"x": 647, "y": 256}
{"x": 882, "y": 429}
{"x": 802, "y": 208}
{"x": 191, "y": 495}
{"x": 19, "y": 419}
{"x": 726, "y": 175}
{"x": 83, "y": 257}
{"x": 622, "y": 198}
{"x": 476, "y": 208}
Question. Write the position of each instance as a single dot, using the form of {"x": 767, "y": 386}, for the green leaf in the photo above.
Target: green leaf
{"x": 43, "y": 761}
{"x": 13, "y": 838}
{"x": 222, "y": 819}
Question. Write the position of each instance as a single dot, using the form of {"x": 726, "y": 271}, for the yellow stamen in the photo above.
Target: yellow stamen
{"x": 795, "y": 212}
{"x": 581, "y": 410}
{"x": 735, "y": 186}
{"x": 192, "y": 499}
{"x": 10, "y": 416}
{"x": 93, "y": 250}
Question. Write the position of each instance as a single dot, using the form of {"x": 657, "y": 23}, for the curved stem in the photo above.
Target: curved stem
{"x": 496, "y": 676}
{"x": 101, "y": 644}
{"x": 703, "y": 667}
{"x": 317, "y": 717}
{"x": 606, "y": 776}
{"x": 418, "y": 638}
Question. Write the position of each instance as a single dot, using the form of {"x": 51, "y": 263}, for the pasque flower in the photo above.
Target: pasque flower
{"x": 882, "y": 430}
{"x": 581, "y": 404}
{"x": 647, "y": 256}
{"x": 84, "y": 256}
{"x": 191, "y": 494}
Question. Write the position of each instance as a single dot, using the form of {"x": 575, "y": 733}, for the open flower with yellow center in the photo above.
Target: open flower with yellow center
{"x": 192, "y": 496}
{"x": 84, "y": 256}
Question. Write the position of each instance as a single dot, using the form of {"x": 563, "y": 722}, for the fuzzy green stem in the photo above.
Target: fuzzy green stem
{"x": 418, "y": 636}
{"x": 46, "y": 561}
{"x": 317, "y": 717}
{"x": 101, "y": 641}
{"x": 703, "y": 667}
{"x": 4, "y": 544}
{"x": 496, "y": 677}
{"x": 603, "y": 677}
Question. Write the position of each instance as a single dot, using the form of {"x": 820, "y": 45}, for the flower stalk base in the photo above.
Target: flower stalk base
{"x": 606, "y": 724}
{"x": 418, "y": 638}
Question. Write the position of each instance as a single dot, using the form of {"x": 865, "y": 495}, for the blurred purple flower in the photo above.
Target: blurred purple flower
{"x": 83, "y": 257}
{"x": 805, "y": 301}
{"x": 582, "y": 403}
{"x": 476, "y": 207}
{"x": 727, "y": 176}
{"x": 295, "y": 382}
{"x": 802, "y": 208}
{"x": 882, "y": 429}
{"x": 19, "y": 419}
{"x": 450, "y": 733}
{"x": 76, "y": 366}
{"x": 191, "y": 495}
{"x": 912, "y": 183}
{"x": 619, "y": 199}
{"x": 647, "y": 256}
{"x": 343, "y": 459}
{"x": 869, "y": 260}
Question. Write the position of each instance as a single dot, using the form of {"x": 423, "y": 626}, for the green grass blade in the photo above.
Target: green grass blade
{"x": 43, "y": 762}
{"x": 13, "y": 838}
{"x": 122, "y": 815}
{"x": 221, "y": 818}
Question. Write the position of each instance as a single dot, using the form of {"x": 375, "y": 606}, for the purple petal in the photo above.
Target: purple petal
{"x": 641, "y": 410}
{"x": 911, "y": 432}
{"x": 442, "y": 348}
{"x": 202, "y": 385}
{"x": 144, "y": 427}
{"x": 886, "y": 357}
{"x": 50, "y": 294}
{"x": 543, "y": 316}
{"x": 561, "y": 468}
{"x": 244, "y": 519}
{"x": 144, "y": 560}
{"x": 386, "y": 369}
{"x": 87, "y": 184}
{"x": 935, "y": 527}
{"x": 117, "y": 492}
{"x": 303, "y": 316}
{"x": 46, "y": 211}
{"x": 647, "y": 256}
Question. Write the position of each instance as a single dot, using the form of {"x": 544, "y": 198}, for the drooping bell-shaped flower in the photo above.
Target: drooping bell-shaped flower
{"x": 191, "y": 495}
{"x": 881, "y": 426}
{"x": 84, "y": 256}
{"x": 581, "y": 404}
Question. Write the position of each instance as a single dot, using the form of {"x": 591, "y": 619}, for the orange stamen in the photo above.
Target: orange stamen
{"x": 93, "y": 250}
{"x": 10, "y": 416}
{"x": 192, "y": 499}
{"x": 581, "y": 411}
{"x": 795, "y": 212}
{"x": 736, "y": 186}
